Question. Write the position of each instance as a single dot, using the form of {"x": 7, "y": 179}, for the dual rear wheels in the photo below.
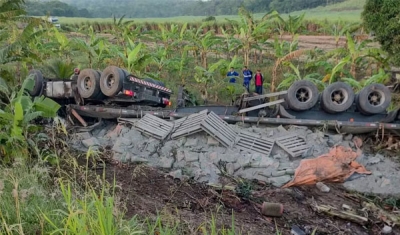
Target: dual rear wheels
{"x": 338, "y": 97}
{"x": 94, "y": 84}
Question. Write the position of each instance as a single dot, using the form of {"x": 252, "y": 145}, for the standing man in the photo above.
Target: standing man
{"x": 258, "y": 82}
{"x": 232, "y": 74}
{"x": 247, "y": 75}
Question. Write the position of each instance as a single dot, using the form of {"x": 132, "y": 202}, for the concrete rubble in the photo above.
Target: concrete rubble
{"x": 203, "y": 157}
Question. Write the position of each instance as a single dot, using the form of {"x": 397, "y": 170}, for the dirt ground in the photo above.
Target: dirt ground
{"x": 147, "y": 191}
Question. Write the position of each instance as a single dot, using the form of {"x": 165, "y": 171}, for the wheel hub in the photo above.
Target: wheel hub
{"x": 338, "y": 97}
{"x": 375, "y": 98}
{"x": 303, "y": 95}
{"x": 110, "y": 81}
{"x": 87, "y": 83}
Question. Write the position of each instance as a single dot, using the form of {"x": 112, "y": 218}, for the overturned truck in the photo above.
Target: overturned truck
{"x": 116, "y": 93}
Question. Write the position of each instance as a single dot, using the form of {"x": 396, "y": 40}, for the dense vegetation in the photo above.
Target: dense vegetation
{"x": 55, "y": 8}
{"x": 169, "y": 8}
{"x": 382, "y": 17}
{"x": 33, "y": 202}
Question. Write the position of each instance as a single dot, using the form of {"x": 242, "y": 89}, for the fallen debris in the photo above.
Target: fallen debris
{"x": 188, "y": 125}
{"x": 386, "y": 230}
{"x": 155, "y": 127}
{"x": 329, "y": 210}
{"x": 293, "y": 144}
{"x": 255, "y": 143}
{"x": 272, "y": 209}
{"x": 335, "y": 166}
{"x": 322, "y": 187}
{"x": 380, "y": 214}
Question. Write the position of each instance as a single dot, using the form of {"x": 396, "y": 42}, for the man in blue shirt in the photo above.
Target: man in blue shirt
{"x": 247, "y": 75}
{"x": 232, "y": 74}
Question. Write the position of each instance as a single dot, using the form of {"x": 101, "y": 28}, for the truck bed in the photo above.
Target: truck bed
{"x": 314, "y": 117}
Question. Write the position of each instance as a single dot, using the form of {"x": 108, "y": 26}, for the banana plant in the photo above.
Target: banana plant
{"x": 16, "y": 117}
{"x": 203, "y": 44}
{"x": 382, "y": 77}
{"x": 95, "y": 48}
{"x": 296, "y": 76}
{"x": 251, "y": 32}
{"x": 293, "y": 24}
{"x": 137, "y": 59}
{"x": 60, "y": 69}
{"x": 206, "y": 77}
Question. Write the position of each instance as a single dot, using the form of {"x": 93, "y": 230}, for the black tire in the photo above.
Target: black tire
{"x": 100, "y": 96}
{"x": 284, "y": 104}
{"x": 89, "y": 83}
{"x": 337, "y": 97}
{"x": 126, "y": 73}
{"x": 302, "y": 95}
{"x": 373, "y": 99}
{"x": 111, "y": 81}
{"x": 39, "y": 82}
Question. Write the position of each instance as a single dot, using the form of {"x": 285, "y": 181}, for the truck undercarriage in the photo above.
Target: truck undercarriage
{"x": 115, "y": 93}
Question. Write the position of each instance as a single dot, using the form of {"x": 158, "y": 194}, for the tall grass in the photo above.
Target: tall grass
{"x": 31, "y": 202}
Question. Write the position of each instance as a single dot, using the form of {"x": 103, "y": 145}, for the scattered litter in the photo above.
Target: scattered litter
{"x": 272, "y": 209}
{"x": 335, "y": 166}
{"x": 296, "y": 231}
{"x": 346, "y": 207}
{"x": 386, "y": 230}
{"x": 322, "y": 187}
{"x": 381, "y": 214}
{"x": 329, "y": 210}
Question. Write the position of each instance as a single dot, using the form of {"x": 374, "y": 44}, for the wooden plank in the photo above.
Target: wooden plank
{"x": 261, "y": 106}
{"x": 265, "y": 96}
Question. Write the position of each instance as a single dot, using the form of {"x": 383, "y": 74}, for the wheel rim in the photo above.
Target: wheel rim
{"x": 376, "y": 98}
{"x": 87, "y": 83}
{"x": 303, "y": 94}
{"x": 339, "y": 96}
{"x": 110, "y": 80}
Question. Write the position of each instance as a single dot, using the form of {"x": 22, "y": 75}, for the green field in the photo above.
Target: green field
{"x": 347, "y": 11}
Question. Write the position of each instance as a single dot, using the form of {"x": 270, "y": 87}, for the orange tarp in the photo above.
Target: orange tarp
{"x": 335, "y": 166}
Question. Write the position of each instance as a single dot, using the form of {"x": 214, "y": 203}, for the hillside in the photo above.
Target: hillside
{"x": 349, "y": 10}
{"x": 176, "y": 8}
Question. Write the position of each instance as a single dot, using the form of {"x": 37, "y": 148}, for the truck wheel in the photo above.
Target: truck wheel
{"x": 111, "y": 81}
{"x": 126, "y": 73}
{"x": 337, "y": 97}
{"x": 374, "y": 99}
{"x": 302, "y": 95}
{"x": 89, "y": 83}
{"x": 100, "y": 95}
{"x": 39, "y": 81}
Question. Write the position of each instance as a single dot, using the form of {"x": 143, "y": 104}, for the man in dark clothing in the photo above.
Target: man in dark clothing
{"x": 258, "y": 82}
{"x": 232, "y": 74}
{"x": 247, "y": 75}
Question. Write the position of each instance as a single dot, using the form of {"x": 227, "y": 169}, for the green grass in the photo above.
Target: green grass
{"x": 348, "y": 11}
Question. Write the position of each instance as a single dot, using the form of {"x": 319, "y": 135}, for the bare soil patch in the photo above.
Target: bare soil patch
{"x": 147, "y": 192}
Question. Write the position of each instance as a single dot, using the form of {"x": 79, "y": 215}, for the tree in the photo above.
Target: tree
{"x": 382, "y": 17}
